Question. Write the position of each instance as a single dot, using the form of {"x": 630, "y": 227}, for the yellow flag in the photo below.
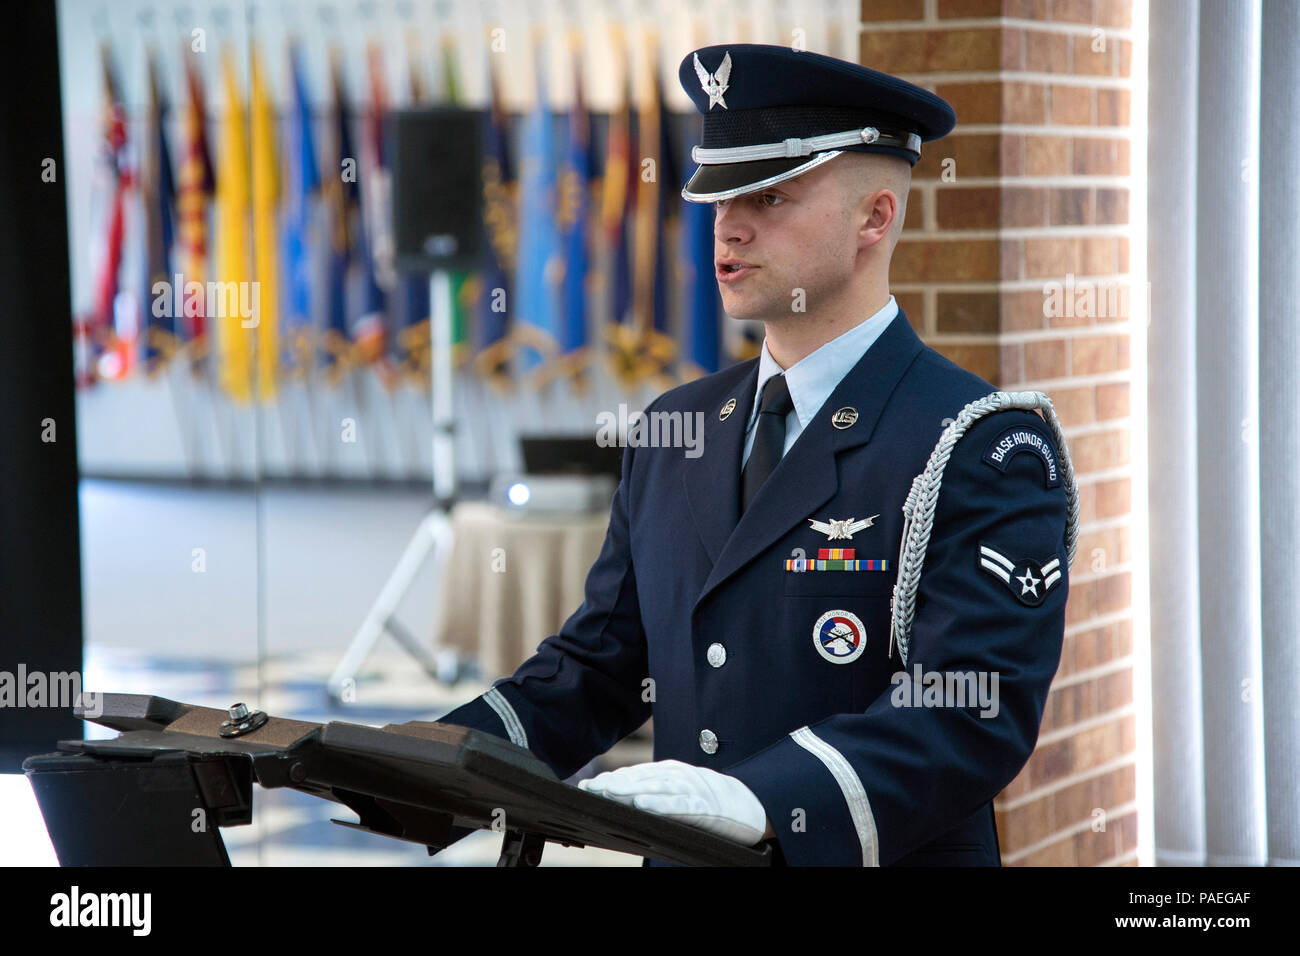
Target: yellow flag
{"x": 266, "y": 195}
{"x": 237, "y": 307}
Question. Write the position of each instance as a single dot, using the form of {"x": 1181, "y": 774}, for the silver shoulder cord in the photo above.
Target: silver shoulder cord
{"x": 918, "y": 512}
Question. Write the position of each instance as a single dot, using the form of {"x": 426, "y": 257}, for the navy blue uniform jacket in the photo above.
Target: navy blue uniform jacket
{"x": 847, "y": 777}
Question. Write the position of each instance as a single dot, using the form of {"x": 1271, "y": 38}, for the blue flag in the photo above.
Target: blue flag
{"x": 343, "y": 196}
{"x": 539, "y": 267}
{"x": 574, "y": 215}
{"x": 304, "y": 182}
{"x": 700, "y": 312}
{"x": 409, "y": 354}
{"x": 656, "y": 202}
{"x": 158, "y": 190}
{"x": 492, "y": 343}
{"x": 617, "y": 203}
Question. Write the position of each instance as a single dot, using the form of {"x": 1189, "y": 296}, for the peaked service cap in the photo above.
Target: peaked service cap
{"x": 771, "y": 113}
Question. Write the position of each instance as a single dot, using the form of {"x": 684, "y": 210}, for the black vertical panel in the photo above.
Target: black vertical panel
{"x": 40, "y": 574}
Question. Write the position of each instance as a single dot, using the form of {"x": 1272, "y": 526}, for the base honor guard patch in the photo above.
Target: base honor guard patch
{"x": 1023, "y": 438}
{"x": 836, "y": 559}
{"x": 839, "y": 637}
{"x": 1029, "y": 581}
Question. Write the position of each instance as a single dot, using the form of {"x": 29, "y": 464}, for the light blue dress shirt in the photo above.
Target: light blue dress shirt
{"x": 812, "y": 379}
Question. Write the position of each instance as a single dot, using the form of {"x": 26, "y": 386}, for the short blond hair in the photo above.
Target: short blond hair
{"x": 865, "y": 173}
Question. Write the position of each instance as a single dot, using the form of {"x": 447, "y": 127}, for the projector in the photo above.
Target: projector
{"x": 552, "y": 494}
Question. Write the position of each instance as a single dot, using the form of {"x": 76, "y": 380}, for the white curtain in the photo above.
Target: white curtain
{"x": 1224, "y": 407}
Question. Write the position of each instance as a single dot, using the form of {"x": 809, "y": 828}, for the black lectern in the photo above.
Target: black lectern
{"x": 158, "y": 794}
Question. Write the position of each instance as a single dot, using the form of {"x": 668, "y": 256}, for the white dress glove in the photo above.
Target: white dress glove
{"x": 696, "y": 796}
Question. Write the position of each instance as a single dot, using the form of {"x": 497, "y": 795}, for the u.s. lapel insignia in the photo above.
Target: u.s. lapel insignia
{"x": 715, "y": 84}
{"x": 839, "y": 637}
{"x": 1029, "y": 581}
{"x": 844, "y": 417}
{"x": 837, "y": 529}
{"x": 727, "y": 409}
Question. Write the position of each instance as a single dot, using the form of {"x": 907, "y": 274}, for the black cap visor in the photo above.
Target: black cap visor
{"x": 728, "y": 180}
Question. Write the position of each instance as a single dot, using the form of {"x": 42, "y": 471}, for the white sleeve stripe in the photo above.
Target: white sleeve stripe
{"x": 1051, "y": 578}
{"x": 1050, "y": 566}
{"x": 850, "y": 785}
{"x": 1000, "y": 559}
{"x": 996, "y": 569}
{"x": 497, "y": 701}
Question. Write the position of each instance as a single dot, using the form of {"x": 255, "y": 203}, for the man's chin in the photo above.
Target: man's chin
{"x": 749, "y": 310}
{"x": 750, "y": 313}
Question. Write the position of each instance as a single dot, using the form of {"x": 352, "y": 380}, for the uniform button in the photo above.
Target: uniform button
{"x": 717, "y": 655}
{"x": 708, "y": 741}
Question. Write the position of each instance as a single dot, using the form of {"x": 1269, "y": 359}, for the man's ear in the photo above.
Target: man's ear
{"x": 877, "y": 215}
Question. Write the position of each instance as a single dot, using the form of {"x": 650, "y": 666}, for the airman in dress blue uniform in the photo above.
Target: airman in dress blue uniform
{"x": 845, "y": 614}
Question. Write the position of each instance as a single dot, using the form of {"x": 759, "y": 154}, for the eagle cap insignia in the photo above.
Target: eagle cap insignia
{"x": 837, "y": 529}
{"x": 714, "y": 84}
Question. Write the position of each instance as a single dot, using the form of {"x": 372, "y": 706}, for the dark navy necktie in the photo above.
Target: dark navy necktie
{"x": 769, "y": 438}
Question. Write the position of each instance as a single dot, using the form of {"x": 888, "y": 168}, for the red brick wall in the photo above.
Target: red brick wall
{"x": 1029, "y": 189}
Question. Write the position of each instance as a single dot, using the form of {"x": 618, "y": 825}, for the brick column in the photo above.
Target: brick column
{"x": 1014, "y": 263}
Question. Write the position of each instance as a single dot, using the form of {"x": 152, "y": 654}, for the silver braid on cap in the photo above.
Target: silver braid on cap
{"x": 918, "y": 512}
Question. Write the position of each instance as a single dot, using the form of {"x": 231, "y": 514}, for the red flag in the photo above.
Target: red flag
{"x": 110, "y": 354}
{"x": 195, "y": 187}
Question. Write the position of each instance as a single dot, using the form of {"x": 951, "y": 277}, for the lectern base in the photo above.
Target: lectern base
{"x": 160, "y": 811}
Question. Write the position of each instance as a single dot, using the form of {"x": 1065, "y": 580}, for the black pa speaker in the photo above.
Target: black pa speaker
{"x": 437, "y": 187}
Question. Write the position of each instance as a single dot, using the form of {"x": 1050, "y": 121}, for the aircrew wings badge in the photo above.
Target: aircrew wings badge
{"x": 1029, "y": 581}
{"x": 837, "y": 529}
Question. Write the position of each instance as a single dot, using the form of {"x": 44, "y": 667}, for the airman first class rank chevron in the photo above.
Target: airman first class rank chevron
{"x": 1033, "y": 582}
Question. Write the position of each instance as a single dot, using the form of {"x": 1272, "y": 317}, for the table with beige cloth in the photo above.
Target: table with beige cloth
{"x": 500, "y": 616}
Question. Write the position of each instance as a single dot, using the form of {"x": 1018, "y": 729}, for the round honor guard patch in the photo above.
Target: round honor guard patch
{"x": 839, "y": 637}
{"x": 772, "y": 113}
{"x": 727, "y": 409}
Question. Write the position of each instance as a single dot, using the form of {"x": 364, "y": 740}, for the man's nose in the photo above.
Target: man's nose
{"x": 731, "y": 225}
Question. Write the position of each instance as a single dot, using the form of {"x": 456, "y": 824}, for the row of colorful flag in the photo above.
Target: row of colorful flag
{"x": 273, "y": 217}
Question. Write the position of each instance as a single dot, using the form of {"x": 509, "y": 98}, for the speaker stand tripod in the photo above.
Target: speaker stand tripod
{"x": 433, "y": 536}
